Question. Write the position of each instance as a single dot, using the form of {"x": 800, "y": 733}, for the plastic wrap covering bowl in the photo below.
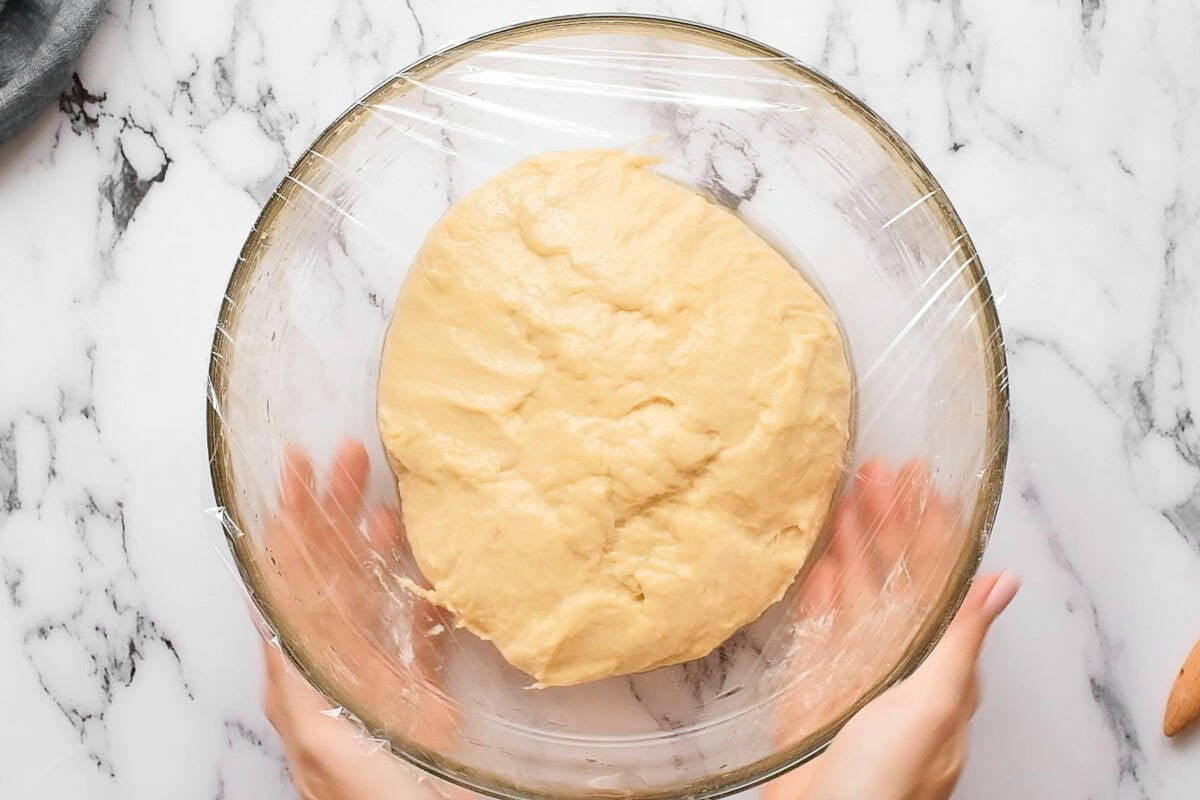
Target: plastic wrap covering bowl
{"x": 295, "y": 366}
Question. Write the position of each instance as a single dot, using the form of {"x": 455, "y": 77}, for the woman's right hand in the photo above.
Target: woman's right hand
{"x": 910, "y": 743}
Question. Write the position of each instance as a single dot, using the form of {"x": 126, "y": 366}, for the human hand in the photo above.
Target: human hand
{"x": 317, "y": 549}
{"x": 910, "y": 742}
{"x": 327, "y": 755}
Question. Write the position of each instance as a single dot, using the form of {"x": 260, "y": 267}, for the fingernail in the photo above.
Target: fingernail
{"x": 1002, "y": 593}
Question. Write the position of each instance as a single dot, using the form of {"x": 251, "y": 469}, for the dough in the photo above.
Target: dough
{"x": 616, "y": 415}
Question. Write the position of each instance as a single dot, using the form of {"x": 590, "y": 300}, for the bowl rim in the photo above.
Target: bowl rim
{"x": 987, "y": 499}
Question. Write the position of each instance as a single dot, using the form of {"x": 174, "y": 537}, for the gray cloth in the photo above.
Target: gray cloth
{"x": 39, "y": 43}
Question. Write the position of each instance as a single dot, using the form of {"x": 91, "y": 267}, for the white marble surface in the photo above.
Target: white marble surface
{"x": 1067, "y": 134}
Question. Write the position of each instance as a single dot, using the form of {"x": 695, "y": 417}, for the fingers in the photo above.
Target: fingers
{"x": 922, "y": 528}
{"x": 912, "y": 491}
{"x": 296, "y": 493}
{"x": 819, "y": 592}
{"x": 272, "y": 701}
{"x": 850, "y": 545}
{"x": 895, "y": 504}
{"x": 297, "y": 508}
{"x": 286, "y": 693}
{"x": 385, "y": 531}
{"x": 934, "y": 548}
{"x": 876, "y": 491}
{"x": 952, "y": 663}
{"x": 851, "y": 570}
{"x": 347, "y": 480}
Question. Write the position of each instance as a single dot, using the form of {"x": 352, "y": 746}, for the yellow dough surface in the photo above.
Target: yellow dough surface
{"x": 617, "y": 417}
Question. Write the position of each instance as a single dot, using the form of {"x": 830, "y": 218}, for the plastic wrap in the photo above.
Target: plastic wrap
{"x": 296, "y": 360}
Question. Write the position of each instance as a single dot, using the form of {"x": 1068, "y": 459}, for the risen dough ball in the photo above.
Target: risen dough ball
{"x": 617, "y": 417}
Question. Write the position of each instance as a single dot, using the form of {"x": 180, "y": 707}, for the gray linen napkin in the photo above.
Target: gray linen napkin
{"x": 39, "y": 43}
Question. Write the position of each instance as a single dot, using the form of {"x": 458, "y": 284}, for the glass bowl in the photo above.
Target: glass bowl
{"x": 295, "y": 364}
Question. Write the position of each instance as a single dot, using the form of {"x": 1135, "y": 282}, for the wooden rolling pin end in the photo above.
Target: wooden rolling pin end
{"x": 1183, "y": 706}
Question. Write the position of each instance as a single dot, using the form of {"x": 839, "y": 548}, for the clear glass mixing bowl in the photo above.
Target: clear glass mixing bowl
{"x": 295, "y": 363}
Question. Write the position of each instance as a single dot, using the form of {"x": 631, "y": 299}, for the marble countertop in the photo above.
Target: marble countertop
{"x": 1067, "y": 135}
